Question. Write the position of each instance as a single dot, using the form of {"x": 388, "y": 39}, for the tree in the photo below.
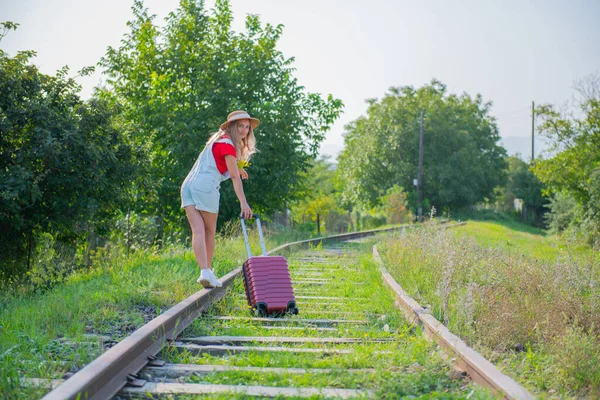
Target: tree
{"x": 64, "y": 164}
{"x": 574, "y": 169}
{"x": 462, "y": 161}
{"x": 177, "y": 85}
{"x": 319, "y": 199}
{"x": 522, "y": 184}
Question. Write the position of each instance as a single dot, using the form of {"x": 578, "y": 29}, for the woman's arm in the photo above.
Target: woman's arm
{"x": 237, "y": 185}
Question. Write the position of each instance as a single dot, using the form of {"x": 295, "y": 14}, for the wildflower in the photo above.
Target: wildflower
{"x": 243, "y": 164}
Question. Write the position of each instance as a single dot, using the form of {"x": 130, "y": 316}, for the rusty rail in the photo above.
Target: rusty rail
{"x": 479, "y": 369}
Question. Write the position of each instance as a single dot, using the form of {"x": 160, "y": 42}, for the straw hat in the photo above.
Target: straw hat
{"x": 236, "y": 115}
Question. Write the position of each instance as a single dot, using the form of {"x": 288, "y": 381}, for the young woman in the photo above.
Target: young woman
{"x": 200, "y": 191}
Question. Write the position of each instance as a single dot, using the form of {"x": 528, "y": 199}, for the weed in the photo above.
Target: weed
{"x": 499, "y": 295}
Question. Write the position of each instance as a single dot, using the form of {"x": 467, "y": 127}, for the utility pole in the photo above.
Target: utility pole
{"x": 532, "y": 130}
{"x": 420, "y": 175}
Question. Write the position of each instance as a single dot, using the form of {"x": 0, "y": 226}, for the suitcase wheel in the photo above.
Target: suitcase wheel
{"x": 261, "y": 310}
{"x": 292, "y": 309}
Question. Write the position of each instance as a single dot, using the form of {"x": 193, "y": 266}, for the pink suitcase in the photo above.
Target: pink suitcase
{"x": 267, "y": 280}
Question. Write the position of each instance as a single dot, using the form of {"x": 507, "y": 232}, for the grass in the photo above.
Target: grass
{"x": 528, "y": 302}
{"x": 519, "y": 239}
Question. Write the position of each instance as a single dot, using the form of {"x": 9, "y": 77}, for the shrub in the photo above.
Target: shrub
{"x": 395, "y": 205}
{"x": 562, "y": 212}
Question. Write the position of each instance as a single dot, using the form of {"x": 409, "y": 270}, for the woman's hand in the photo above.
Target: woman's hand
{"x": 246, "y": 211}
{"x": 243, "y": 173}
{"x": 237, "y": 175}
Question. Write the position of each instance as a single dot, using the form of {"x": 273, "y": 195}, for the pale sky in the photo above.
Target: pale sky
{"x": 512, "y": 52}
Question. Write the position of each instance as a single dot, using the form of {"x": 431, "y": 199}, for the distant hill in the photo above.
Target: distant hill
{"x": 522, "y": 145}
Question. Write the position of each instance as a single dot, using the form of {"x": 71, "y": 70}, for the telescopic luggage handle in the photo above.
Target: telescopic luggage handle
{"x": 260, "y": 233}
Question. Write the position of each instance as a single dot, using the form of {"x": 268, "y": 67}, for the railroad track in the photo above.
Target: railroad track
{"x": 349, "y": 341}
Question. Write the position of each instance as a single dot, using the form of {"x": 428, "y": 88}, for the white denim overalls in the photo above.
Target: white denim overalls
{"x": 201, "y": 186}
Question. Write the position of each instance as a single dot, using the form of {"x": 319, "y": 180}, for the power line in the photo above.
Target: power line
{"x": 515, "y": 117}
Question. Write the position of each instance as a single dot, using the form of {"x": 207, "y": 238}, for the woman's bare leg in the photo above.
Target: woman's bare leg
{"x": 198, "y": 236}
{"x": 210, "y": 227}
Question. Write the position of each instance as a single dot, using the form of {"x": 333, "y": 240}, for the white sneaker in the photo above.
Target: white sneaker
{"x": 208, "y": 279}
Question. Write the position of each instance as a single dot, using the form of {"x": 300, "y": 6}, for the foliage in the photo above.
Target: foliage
{"x": 372, "y": 219}
{"x": 522, "y": 184}
{"x": 338, "y": 221}
{"x": 395, "y": 205}
{"x": 575, "y": 167}
{"x": 320, "y": 200}
{"x": 64, "y": 163}
{"x": 562, "y": 212}
{"x": 178, "y": 83}
{"x": 382, "y": 148}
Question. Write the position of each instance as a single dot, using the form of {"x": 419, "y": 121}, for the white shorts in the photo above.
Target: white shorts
{"x": 202, "y": 192}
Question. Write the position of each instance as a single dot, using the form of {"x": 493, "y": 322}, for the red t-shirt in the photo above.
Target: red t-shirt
{"x": 220, "y": 150}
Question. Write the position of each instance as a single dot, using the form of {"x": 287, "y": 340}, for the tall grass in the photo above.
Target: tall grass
{"x": 537, "y": 318}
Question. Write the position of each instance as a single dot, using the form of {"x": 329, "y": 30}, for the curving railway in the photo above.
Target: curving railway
{"x": 356, "y": 336}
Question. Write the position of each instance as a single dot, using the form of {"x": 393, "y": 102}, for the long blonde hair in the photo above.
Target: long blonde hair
{"x": 244, "y": 148}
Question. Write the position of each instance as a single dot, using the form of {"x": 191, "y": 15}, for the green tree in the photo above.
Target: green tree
{"x": 319, "y": 199}
{"x": 574, "y": 169}
{"x": 522, "y": 184}
{"x": 64, "y": 163}
{"x": 462, "y": 161}
{"x": 177, "y": 85}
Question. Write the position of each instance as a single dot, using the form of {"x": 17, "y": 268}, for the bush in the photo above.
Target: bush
{"x": 569, "y": 218}
{"x": 562, "y": 212}
{"x": 395, "y": 205}
{"x": 337, "y": 222}
{"x": 52, "y": 261}
{"x": 306, "y": 227}
{"x": 372, "y": 220}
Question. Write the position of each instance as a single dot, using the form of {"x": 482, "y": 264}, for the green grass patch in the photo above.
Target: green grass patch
{"x": 513, "y": 237}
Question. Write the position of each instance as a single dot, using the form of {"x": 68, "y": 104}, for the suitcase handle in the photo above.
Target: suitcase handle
{"x": 260, "y": 233}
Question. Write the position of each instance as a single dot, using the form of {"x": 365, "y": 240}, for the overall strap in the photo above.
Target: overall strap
{"x": 225, "y": 175}
{"x": 225, "y": 140}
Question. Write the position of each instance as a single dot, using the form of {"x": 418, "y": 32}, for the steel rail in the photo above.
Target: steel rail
{"x": 110, "y": 372}
{"x": 478, "y": 367}
{"x": 107, "y": 374}
{"x": 338, "y": 238}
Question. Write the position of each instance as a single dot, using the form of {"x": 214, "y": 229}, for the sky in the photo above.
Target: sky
{"x": 512, "y": 52}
